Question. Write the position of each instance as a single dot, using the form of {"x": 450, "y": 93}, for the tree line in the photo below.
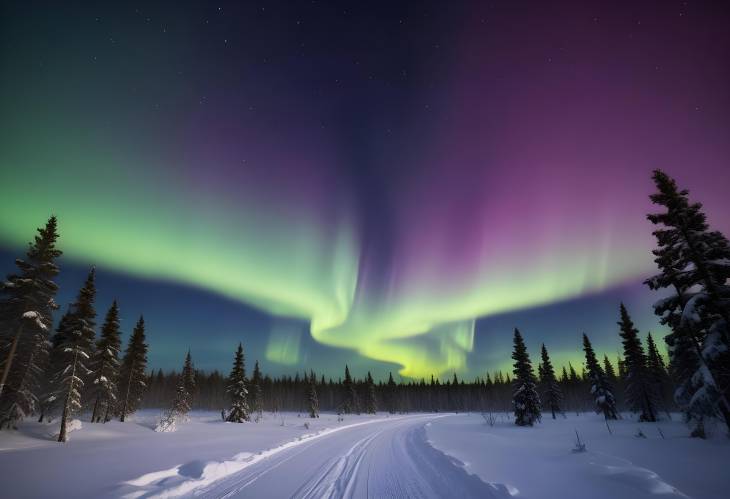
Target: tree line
{"x": 74, "y": 370}
{"x": 308, "y": 393}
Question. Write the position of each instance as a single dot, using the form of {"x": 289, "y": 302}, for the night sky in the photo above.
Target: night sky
{"x": 395, "y": 185}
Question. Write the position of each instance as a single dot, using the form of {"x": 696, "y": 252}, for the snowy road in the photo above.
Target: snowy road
{"x": 391, "y": 458}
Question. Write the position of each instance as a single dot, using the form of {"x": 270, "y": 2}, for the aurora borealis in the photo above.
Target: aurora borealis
{"x": 385, "y": 184}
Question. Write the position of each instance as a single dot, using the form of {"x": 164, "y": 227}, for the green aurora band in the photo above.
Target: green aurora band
{"x": 134, "y": 224}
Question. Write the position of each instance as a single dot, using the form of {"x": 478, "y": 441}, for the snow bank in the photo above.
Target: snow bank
{"x": 540, "y": 462}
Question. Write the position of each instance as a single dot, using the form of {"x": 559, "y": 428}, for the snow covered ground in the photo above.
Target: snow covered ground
{"x": 538, "y": 462}
{"x": 436, "y": 455}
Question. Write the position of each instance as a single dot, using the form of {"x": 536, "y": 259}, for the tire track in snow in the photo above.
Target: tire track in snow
{"x": 388, "y": 457}
{"x": 394, "y": 461}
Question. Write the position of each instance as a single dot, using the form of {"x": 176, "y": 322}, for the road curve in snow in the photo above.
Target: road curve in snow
{"x": 388, "y": 459}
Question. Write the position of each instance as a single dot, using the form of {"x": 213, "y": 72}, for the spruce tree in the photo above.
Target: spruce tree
{"x": 525, "y": 399}
{"x": 132, "y": 377}
{"x": 237, "y": 389}
{"x": 600, "y": 387}
{"x": 105, "y": 366}
{"x": 657, "y": 372}
{"x": 182, "y": 403}
{"x": 371, "y": 403}
{"x": 564, "y": 376}
{"x": 552, "y": 395}
{"x": 312, "y": 400}
{"x": 574, "y": 382}
{"x": 654, "y": 361}
{"x": 26, "y": 309}
{"x": 391, "y": 394}
{"x": 257, "y": 400}
{"x": 609, "y": 370}
{"x": 76, "y": 349}
{"x": 188, "y": 378}
{"x": 349, "y": 404}
{"x": 694, "y": 263}
{"x": 640, "y": 394}
{"x": 49, "y": 402}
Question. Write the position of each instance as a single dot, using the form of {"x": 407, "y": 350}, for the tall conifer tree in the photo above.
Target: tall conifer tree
{"x": 105, "y": 366}
{"x": 391, "y": 394}
{"x": 552, "y": 396}
{"x": 188, "y": 378}
{"x": 371, "y": 403}
{"x": 256, "y": 394}
{"x": 49, "y": 402}
{"x": 76, "y": 349}
{"x": 694, "y": 263}
{"x": 640, "y": 393}
{"x": 26, "y": 309}
{"x": 349, "y": 404}
{"x": 132, "y": 377}
{"x": 237, "y": 389}
{"x": 658, "y": 372}
{"x": 600, "y": 387}
{"x": 525, "y": 399}
{"x": 312, "y": 400}
{"x": 182, "y": 403}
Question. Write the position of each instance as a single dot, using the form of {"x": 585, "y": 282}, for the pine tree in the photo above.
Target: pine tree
{"x": 182, "y": 403}
{"x": 454, "y": 395}
{"x": 132, "y": 378}
{"x": 312, "y": 401}
{"x": 188, "y": 377}
{"x": 552, "y": 395}
{"x": 657, "y": 371}
{"x": 612, "y": 378}
{"x": 105, "y": 366}
{"x": 371, "y": 403}
{"x": 391, "y": 394}
{"x": 600, "y": 387}
{"x": 574, "y": 383}
{"x": 609, "y": 370}
{"x": 525, "y": 399}
{"x": 257, "y": 401}
{"x": 349, "y": 404}
{"x": 237, "y": 389}
{"x": 694, "y": 263}
{"x": 640, "y": 394}
{"x": 49, "y": 402}
{"x": 26, "y": 311}
{"x": 76, "y": 349}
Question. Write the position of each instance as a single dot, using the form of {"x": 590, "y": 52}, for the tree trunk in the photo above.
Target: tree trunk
{"x": 651, "y": 418}
{"x": 94, "y": 417}
{"x": 126, "y": 395}
{"x": 11, "y": 356}
{"x": 726, "y": 416}
{"x": 64, "y": 417}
